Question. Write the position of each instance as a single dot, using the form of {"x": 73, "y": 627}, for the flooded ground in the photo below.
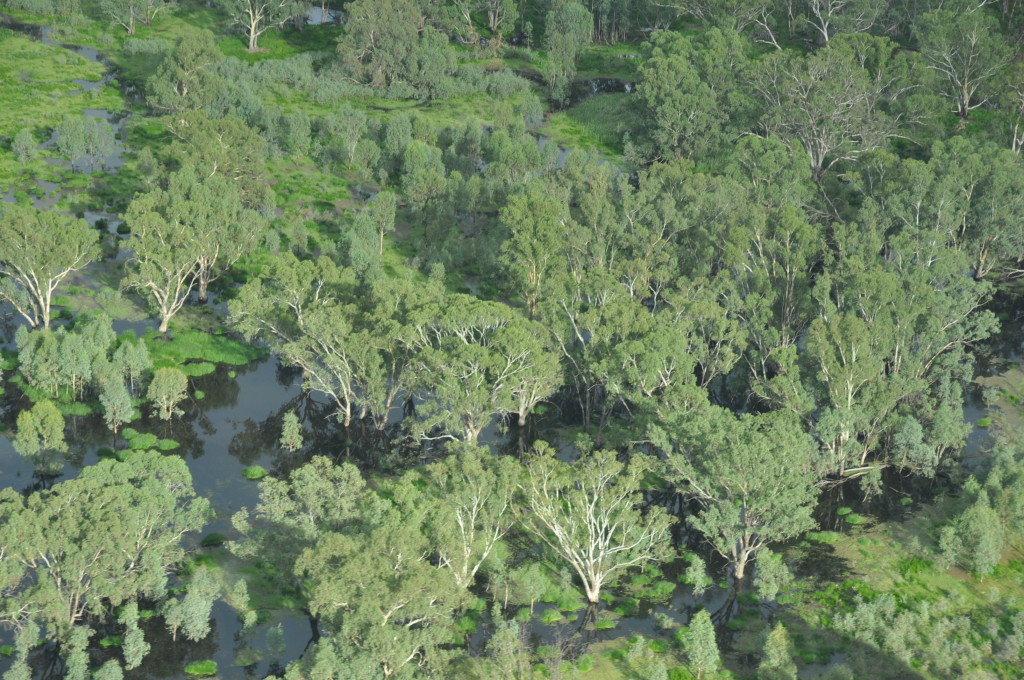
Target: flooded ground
{"x": 237, "y": 424}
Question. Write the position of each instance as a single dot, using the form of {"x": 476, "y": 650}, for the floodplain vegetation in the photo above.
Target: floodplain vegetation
{"x": 645, "y": 333}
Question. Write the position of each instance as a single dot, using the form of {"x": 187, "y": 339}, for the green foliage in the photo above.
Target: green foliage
{"x": 40, "y": 434}
{"x": 201, "y": 668}
{"x": 291, "y": 432}
{"x": 166, "y": 390}
{"x": 39, "y": 250}
{"x": 569, "y": 504}
{"x": 254, "y": 472}
{"x": 777, "y": 656}
{"x": 144, "y": 505}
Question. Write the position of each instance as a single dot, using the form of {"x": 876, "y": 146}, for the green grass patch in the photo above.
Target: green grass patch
{"x": 254, "y": 472}
{"x": 823, "y": 536}
{"x": 143, "y": 441}
{"x": 551, "y": 616}
{"x": 167, "y": 444}
{"x": 191, "y": 344}
{"x": 596, "y": 124}
{"x": 199, "y": 394}
{"x": 854, "y": 518}
{"x": 201, "y": 668}
{"x": 984, "y": 422}
{"x": 112, "y": 641}
{"x": 199, "y": 369}
{"x": 36, "y": 88}
{"x": 7, "y": 650}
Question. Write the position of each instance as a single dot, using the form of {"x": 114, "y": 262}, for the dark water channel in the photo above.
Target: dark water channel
{"x": 237, "y": 424}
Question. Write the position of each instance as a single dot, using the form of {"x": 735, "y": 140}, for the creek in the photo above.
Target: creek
{"x": 237, "y": 424}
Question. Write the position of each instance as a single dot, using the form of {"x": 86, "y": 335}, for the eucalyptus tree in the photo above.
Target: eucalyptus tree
{"x": 386, "y": 608}
{"x": 587, "y": 513}
{"x": 754, "y": 476}
{"x": 166, "y": 390}
{"x": 225, "y": 228}
{"x": 887, "y": 342}
{"x": 689, "y": 107}
{"x": 828, "y": 102}
{"x": 38, "y": 250}
{"x": 568, "y": 28}
{"x": 539, "y": 225}
{"x": 40, "y": 434}
{"x": 478, "y": 359}
{"x": 256, "y": 17}
{"x": 293, "y": 512}
{"x": 229, "y": 147}
{"x": 467, "y": 502}
{"x": 60, "y": 573}
{"x": 164, "y": 253}
{"x": 967, "y": 51}
{"x": 827, "y": 18}
{"x": 305, "y": 311}
{"x": 184, "y": 79}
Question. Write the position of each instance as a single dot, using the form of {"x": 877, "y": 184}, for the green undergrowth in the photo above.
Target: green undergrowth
{"x": 37, "y": 90}
{"x": 898, "y": 608}
{"x": 254, "y": 472}
{"x": 597, "y": 123}
{"x": 196, "y": 346}
{"x": 201, "y": 668}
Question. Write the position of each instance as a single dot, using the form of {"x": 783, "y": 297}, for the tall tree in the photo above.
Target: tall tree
{"x": 40, "y": 434}
{"x": 184, "y": 79}
{"x": 59, "y": 569}
{"x": 687, "y": 113}
{"x": 223, "y": 226}
{"x": 828, "y": 102}
{"x": 167, "y": 243}
{"x": 588, "y": 514}
{"x": 468, "y": 500}
{"x": 539, "y": 224}
{"x": 38, "y": 250}
{"x": 701, "y": 646}
{"x": 777, "y": 656}
{"x": 166, "y": 390}
{"x": 256, "y": 17}
{"x": 966, "y": 49}
{"x": 568, "y": 28}
{"x": 754, "y": 475}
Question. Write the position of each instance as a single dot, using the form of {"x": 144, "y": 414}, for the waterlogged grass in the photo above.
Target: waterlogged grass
{"x": 254, "y": 472}
{"x": 186, "y": 345}
{"x": 201, "y": 668}
{"x": 37, "y": 91}
{"x": 597, "y": 124}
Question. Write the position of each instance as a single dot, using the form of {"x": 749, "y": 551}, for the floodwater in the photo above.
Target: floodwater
{"x": 237, "y": 424}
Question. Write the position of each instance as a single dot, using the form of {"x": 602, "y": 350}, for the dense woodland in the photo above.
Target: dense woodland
{"x": 594, "y": 303}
